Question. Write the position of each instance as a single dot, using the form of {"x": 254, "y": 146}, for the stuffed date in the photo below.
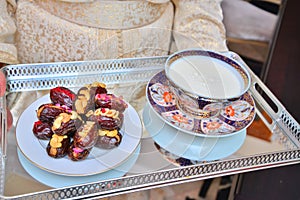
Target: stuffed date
{"x": 85, "y": 100}
{"x": 108, "y": 139}
{"x": 66, "y": 123}
{"x": 48, "y": 112}
{"x": 86, "y": 136}
{"x": 97, "y": 88}
{"x": 62, "y": 96}
{"x": 77, "y": 153}
{"x": 110, "y": 101}
{"x": 106, "y": 118}
{"x": 58, "y": 146}
{"x": 42, "y": 130}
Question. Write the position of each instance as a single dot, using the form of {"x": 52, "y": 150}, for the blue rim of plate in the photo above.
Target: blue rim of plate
{"x": 222, "y": 125}
{"x": 189, "y": 146}
{"x": 58, "y": 181}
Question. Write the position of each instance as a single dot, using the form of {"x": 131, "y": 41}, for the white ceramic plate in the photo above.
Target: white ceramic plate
{"x": 58, "y": 181}
{"x": 98, "y": 161}
{"x": 190, "y": 146}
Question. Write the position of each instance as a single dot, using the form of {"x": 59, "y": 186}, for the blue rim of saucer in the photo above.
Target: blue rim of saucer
{"x": 188, "y": 146}
{"x": 221, "y": 125}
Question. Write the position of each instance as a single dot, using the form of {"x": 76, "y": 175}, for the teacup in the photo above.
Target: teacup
{"x": 204, "y": 81}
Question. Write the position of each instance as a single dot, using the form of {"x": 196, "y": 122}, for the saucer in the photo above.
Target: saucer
{"x": 190, "y": 146}
{"x": 236, "y": 116}
{"x": 58, "y": 181}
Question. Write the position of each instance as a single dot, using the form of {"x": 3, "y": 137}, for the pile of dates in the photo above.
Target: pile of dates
{"x": 76, "y": 123}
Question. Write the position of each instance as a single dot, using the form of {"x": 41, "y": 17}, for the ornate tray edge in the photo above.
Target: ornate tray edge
{"x": 281, "y": 119}
{"x": 170, "y": 177}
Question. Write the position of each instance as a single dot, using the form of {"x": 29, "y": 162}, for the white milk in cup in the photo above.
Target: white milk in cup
{"x": 198, "y": 78}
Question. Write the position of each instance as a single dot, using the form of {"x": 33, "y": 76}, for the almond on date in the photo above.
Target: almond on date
{"x": 58, "y": 146}
{"x": 108, "y": 139}
{"x": 66, "y": 123}
{"x": 86, "y": 136}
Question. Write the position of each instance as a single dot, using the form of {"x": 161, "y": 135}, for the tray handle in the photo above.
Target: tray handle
{"x": 3, "y": 118}
{"x": 275, "y": 114}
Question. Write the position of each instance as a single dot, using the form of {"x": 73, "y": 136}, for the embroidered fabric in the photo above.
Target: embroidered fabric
{"x": 8, "y": 52}
{"x": 106, "y": 14}
{"x": 44, "y": 35}
{"x": 201, "y": 21}
{"x": 47, "y": 34}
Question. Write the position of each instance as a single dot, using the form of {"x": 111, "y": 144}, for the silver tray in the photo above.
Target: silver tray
{"x": 134, "y": 74}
